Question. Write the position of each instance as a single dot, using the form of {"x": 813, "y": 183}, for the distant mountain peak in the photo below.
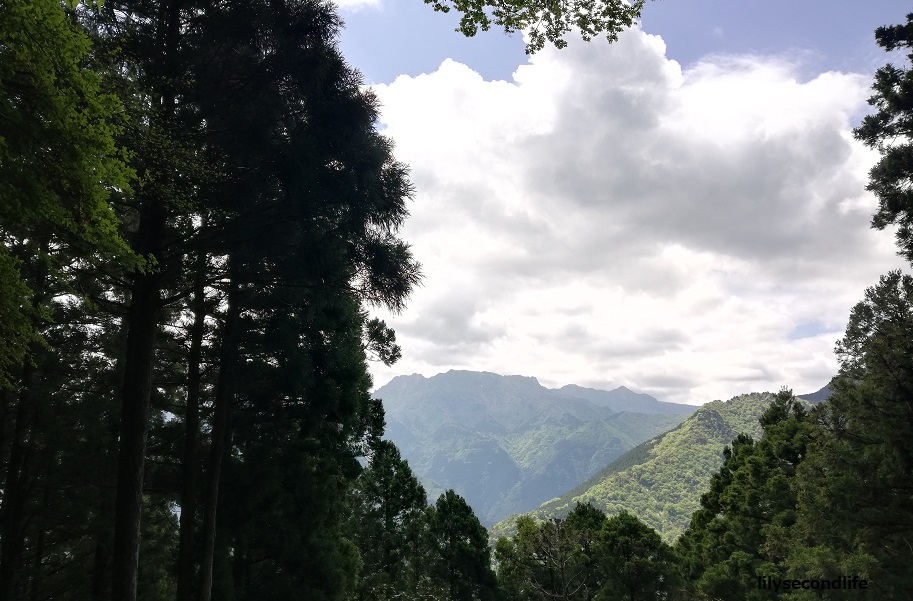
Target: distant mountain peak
{"x": 486, "y": 374}
{"x": 819, "y": 395}
{"x": 507, "y": 443}
{"x": 408, "y": 377}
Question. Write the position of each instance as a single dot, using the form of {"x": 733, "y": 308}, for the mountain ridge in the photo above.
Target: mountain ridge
{"x": 507, "y": 443}
{"x": 661, "y": 480}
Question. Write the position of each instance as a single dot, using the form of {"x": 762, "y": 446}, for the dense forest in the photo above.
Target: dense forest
{"x": 198, "y": 215}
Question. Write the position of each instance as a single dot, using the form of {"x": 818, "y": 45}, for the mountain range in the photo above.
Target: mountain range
{"x": 661, "y": 480}
{"x": 507, "y": 443}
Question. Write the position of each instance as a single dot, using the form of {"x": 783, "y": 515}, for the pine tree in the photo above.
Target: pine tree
{"x": 743, "y": 526}
{"x": 281, "y": 221}
{"x": 890, "y": 131}
{"x": 58, "y": 165}
{"x": 459, "y": 545}
{"x": 855, "y": 508}
{"x": 637, "y": 565}
{"x": 547, "y": 560}
{"x": 387, "y": 508}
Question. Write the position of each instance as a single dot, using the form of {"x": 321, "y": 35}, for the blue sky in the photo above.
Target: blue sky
{"x": 682, "y": 212}
{"x": 405, "y": 37}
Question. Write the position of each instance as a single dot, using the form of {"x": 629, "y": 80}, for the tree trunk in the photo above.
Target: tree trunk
{"x": 16, "y": 486}
{"x": 222, "y": 405}
{"x": 102, "y": 554}
{"x": 142, "y": 324}
{"x": 15, "y": 490}
{"x": 104, "y": 532}
{"x": 239, "y": 569}
{"x": 191, "y": 438}
{"x": 7, "y": 426}
{"x": 38, "y": 559}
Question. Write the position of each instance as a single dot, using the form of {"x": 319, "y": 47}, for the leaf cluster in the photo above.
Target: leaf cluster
{"x": 545, "y": 21}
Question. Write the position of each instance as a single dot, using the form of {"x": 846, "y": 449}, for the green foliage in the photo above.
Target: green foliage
{"x": 410, "y": 550}
{"x": 545, "y": 560}
{"x": 288, "y": 482}
{"x": 890, "y": 131}
{"x": 460, "y": 551}
{"x": 17, "y": 332}
{"x": 49, "y": 102}
{"x": 58, "y": 162}
{"x": 585, "y": 557}
{"x": 855, "y": 510}
{"x": 599, "y": 441}
{"x": 159, "y": 547}
{"x": 381, "y": 342}
{"x": 637, "y": 565}
{"x": 265, "y": 192}
{"x": 545, "y": 21}
{"x": 387, "y": 514}
{"x": 742, "y": 527}
{"x": 854, "y": 513}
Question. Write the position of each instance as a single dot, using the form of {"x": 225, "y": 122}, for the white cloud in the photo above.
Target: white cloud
{"x": 607, "y": 219}
{"x": 353, "y": 5}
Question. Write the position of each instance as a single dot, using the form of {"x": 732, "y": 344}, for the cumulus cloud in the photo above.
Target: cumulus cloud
{"x": 609, "y": 219}
{"x": 353, "y": 5}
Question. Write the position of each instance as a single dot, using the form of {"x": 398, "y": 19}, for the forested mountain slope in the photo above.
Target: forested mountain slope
{"x": 661, "y": 480}
{"x": 506, "y": 443}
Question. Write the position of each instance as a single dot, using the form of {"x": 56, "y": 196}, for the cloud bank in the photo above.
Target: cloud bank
{"x": 354, "y": 5}
{"x": 607, "y": 219}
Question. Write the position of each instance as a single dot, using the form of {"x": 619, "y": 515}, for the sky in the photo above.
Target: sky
{"x": 682, "y": 212}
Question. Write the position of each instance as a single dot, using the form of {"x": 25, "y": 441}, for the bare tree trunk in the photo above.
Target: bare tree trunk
{"x": 142, "y": 324}
{"x": 7, "y": 427}
{"x": 222, "y": 405}
{"x": 15, "y": 490}
{"x": 104, "y": 532}
{"x": 17, "y": 484}
{"x": 38, "y": 559}
{"x": 191, "y": 438}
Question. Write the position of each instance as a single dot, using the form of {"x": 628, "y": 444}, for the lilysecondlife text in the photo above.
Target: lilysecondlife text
{"x": 846, "y": 583}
